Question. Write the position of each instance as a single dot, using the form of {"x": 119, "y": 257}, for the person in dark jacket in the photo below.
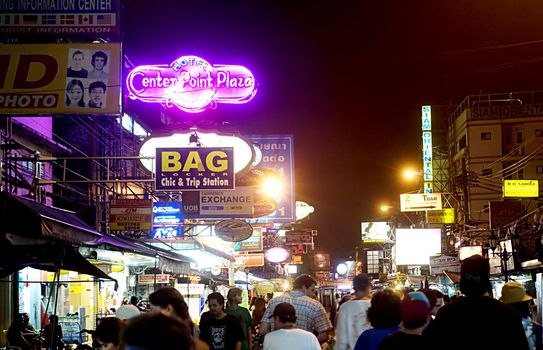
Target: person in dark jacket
{"x": 476, "y": 321}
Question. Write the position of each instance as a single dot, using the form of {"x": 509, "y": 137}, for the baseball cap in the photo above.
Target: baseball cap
{"x": 285, "y": 312}
{"x": 414, "y": 307}
{"x": 514, "y": 292}
{"x": 475, "y": 276}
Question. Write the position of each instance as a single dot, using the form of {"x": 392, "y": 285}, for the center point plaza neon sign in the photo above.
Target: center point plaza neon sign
{"x": 191, "y": 84}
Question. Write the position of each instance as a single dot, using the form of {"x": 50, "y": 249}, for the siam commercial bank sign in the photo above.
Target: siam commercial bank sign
{"x": 191, "y": 84}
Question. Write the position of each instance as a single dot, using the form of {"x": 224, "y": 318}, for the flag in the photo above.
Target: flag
{"x": 6, "y": 19}
{"x": 30, "y": 19}
{"x": 103, "y": 19}
{"x": 85, "y": 19}
{"x": 16, "y": 19}
{"x": 48, "y": 19}
{"x": 67, "y": 19}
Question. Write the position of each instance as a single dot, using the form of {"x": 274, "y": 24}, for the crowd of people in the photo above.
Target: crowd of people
{"x": 382, "y": 320}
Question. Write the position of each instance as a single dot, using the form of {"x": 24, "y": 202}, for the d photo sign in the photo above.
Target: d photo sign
{"x": 191, "y": 84}
{"x": 60, "y": 79}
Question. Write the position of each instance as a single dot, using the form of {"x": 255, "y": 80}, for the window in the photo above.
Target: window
{"x": 539, "y": 169}
{"x": 486, "y": 136}
{"x": 373, "y": 261}
{"x": 519, "y": 137}
{"x": 487, "y": 172}
{"x": 520, "y": 174}
{"x": 462, "y": 143}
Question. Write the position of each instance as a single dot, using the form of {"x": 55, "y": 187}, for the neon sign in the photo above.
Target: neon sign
{"x": 191, "y": 84}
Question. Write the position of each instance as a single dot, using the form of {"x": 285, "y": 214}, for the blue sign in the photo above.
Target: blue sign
{"x": 276, "y": 152}
{"x": 167, "y": 232}
{"x": 167, "y": 213}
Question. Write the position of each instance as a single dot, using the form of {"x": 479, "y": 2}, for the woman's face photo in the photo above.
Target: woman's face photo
{"x": 75, "y": 94}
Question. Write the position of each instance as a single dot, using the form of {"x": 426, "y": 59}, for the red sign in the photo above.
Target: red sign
{"x": 150, "y": 279}
{"x": 298, "y": 237}
{"x": 504, "y": 212}
{"x": 130, "y": 214}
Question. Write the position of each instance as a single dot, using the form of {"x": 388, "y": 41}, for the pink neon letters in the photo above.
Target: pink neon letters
{"x": 191, "y": 84}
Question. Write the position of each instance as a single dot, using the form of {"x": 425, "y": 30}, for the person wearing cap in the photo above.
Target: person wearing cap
{"x": 514, "y": 295}
{"x": 286, "y": 335}
{"x": 352, "y": 319}
{"x": 476, "y": 321}
{"x": 415, "y": 313}
{"x": 310, "y": 314}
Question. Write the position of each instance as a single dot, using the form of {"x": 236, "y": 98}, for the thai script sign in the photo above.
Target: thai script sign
{"x": 441, "y": 263}
{"x": 191, "y": 84}
{"x": 190, "y": 169}
{"x": 60, "y": 18}
{"x": 276, "y": 152}
{"x": 250, "y": 260}
{"x": 130, "y": 214}
{"x": 60, "y": 78}
{"x": 444, "y": 216}
{"x": 151, "y": 279}
{"x": 521, "y": 188}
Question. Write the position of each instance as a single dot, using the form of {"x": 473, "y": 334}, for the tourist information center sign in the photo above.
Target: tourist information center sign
{"x": 191, "y": 84}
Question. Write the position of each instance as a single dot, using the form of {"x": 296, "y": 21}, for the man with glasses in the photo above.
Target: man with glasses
{"x": 310, "y": 314}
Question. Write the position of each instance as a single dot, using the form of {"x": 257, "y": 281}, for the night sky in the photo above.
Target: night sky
{"x": 347, "y": 79}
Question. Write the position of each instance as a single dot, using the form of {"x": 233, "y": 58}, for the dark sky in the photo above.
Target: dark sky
{"x": 347, "y": 79}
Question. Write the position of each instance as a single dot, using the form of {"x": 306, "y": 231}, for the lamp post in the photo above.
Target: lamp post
{"x": 504, "y": 255}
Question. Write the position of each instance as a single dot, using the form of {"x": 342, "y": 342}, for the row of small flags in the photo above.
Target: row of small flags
{"x": 58, "y": 19}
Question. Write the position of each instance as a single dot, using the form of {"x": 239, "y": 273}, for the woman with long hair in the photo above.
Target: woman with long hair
{"x": 171, "y": 303}
{"x": 75, "y": 93}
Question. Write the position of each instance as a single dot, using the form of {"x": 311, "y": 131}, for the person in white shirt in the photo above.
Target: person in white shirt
{"x": 286, "y": 335}
{"x": 352, "y": 319}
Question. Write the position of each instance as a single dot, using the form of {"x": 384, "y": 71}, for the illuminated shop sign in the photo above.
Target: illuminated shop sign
{"x": 521, "y": 188}
{"x": 190, "y": 169}
{"x": 427, "y": 149}
{"x": 243, "y": 149}
{"x": 191, "y": 84}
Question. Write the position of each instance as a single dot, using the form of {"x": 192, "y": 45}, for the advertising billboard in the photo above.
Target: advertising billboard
{"x": 276, "y": 152}
{"x": 416, "y": 246}
{"x": 420, "y": 201}
{"x": 194, "y": 169}
{"x": 251, "y": 244}
{"x": 60, "y": 18}
{"x": 60, "y": 79}
{"x": 376, "y": 231}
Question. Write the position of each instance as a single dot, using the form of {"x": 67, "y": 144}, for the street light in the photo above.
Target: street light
{"x": 502, "y": 252}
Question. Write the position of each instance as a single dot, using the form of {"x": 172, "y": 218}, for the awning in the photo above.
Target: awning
{"x": 48, "y": 257}
{"x": 27, "y": 218}
{"x": 167, "y": 260}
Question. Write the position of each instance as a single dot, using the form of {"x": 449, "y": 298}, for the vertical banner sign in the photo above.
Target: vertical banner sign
{"x": 276, "y": 152}
{"x": 60, "y": 79}
{"x": 427, "y": 149}
{"x": 194, "y": 169}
